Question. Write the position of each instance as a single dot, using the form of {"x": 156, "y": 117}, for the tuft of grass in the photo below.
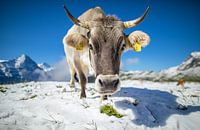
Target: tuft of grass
{"x": 24, "y": 85}
{"x": 64, "y": 90}
{"x": 110, "y": 111}
{"x": 58, "y": 86}
{"x": 194, "y": 95}
{"x": 3, "y": 89}
{"x": 27, "y": 98}
{"x": 33, "y": 96}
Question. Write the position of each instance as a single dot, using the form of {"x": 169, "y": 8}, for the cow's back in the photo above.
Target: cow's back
{"x": 89, "y": 15}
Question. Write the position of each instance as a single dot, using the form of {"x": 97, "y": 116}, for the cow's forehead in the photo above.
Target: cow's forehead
{"x": 106, "y": 22}
{"x": 106, "y": 32}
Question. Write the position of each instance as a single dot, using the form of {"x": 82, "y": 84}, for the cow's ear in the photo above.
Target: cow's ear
{"x": 137, "y": 40}
{"x": 76, "y": 40}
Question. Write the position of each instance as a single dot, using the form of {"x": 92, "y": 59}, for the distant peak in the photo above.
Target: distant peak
{"x": 44, "y": 64}
{"x": 195, "y": 54}
{"x": 23, "y": 59}
{"x": 191, "y": 62}
{"x": 23, "y": 56}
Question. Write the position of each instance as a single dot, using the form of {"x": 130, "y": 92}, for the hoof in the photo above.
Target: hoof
{"x": 83, "y": 95}
{"x": 104, "y": 97}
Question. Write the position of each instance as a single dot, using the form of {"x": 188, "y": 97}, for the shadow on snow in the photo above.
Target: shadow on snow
{"x": 154, "y": 106}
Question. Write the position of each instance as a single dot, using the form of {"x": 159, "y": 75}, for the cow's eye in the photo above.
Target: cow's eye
{"x": 123, "y": 47}
{"x": 90, "y": 47}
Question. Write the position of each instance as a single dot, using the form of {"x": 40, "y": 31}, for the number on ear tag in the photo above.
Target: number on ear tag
{"x": 79, "y": 46}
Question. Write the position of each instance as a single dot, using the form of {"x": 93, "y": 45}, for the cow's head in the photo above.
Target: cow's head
{"x": 106, "y": 42}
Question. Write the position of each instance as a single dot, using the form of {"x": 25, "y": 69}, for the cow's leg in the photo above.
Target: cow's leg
{"x": 82, "y": 75}
{"x": 82, "y": 78}
{"x": 82, "y": 82}
{"x": 72, "y": 74}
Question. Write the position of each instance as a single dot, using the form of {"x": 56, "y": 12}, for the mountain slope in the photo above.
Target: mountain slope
{"x": 188, "y": 70}
{"x": 46, "y": 67}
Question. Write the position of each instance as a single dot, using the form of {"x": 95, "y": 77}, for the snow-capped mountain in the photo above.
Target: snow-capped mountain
{"x": 20, "y": 69}
{"x": 189, "y": 70}
{"x": 46, "y": 67}
{"x": 24, "y": 68}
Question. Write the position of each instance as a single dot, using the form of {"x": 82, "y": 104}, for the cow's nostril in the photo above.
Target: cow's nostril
{"x": 116, "y": 82}
{"x": 101, "y": 83}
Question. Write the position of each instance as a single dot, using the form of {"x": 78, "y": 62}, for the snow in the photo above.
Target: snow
{"x": 53, "y": 105}
{"x": 45, "y": 67}
{"x": 3, "y": 61}
{"x": 192, "y": 61}
{"x": 195, "y": 54}
{"x": 20, "y": 60}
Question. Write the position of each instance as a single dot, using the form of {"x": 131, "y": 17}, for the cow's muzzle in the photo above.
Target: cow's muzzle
{"x": 107, "y": 84}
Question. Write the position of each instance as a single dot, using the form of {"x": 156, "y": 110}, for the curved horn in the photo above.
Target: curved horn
{"x": 74, "y": 20}
{"x": 132, "y": 23}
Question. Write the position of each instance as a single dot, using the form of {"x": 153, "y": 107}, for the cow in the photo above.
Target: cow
{"x": 96, "y": 42}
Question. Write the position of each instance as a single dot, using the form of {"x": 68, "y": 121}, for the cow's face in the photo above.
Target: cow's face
{"x": 106, "y": 42}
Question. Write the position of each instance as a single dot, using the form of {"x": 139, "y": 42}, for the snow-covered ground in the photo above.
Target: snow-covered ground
{"x": 54, "y": 106}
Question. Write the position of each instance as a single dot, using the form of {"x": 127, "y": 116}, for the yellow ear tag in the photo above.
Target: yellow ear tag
{"x": 137, "y": 47}
{"x": 79, "y": 46}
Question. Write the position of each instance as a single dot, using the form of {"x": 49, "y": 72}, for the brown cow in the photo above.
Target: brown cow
{"x": 96, "y": 42}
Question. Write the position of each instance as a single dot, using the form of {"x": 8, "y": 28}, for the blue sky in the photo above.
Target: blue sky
{"x": 36, "y": 28}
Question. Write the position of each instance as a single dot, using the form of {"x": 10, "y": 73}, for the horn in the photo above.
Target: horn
{"x": 74, "y": 20}
{"x": 132, "y": 23}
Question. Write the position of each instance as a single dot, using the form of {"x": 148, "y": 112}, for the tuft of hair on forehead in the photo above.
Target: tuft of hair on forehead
{"x": 107, "y": 21}
{"x": 108, "y": 18}
{"x": 113, "y": 16}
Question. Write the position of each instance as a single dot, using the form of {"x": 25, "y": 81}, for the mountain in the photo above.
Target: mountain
{"x": 20, "y": 69}
{"x": 46, "y": 67}
{"x": 188, "y": 70}
{"x": 24, "y": 68}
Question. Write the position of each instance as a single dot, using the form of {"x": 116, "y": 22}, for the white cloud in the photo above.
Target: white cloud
{"x": 61, "y": 70}
{"x": 128, "y": 62}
